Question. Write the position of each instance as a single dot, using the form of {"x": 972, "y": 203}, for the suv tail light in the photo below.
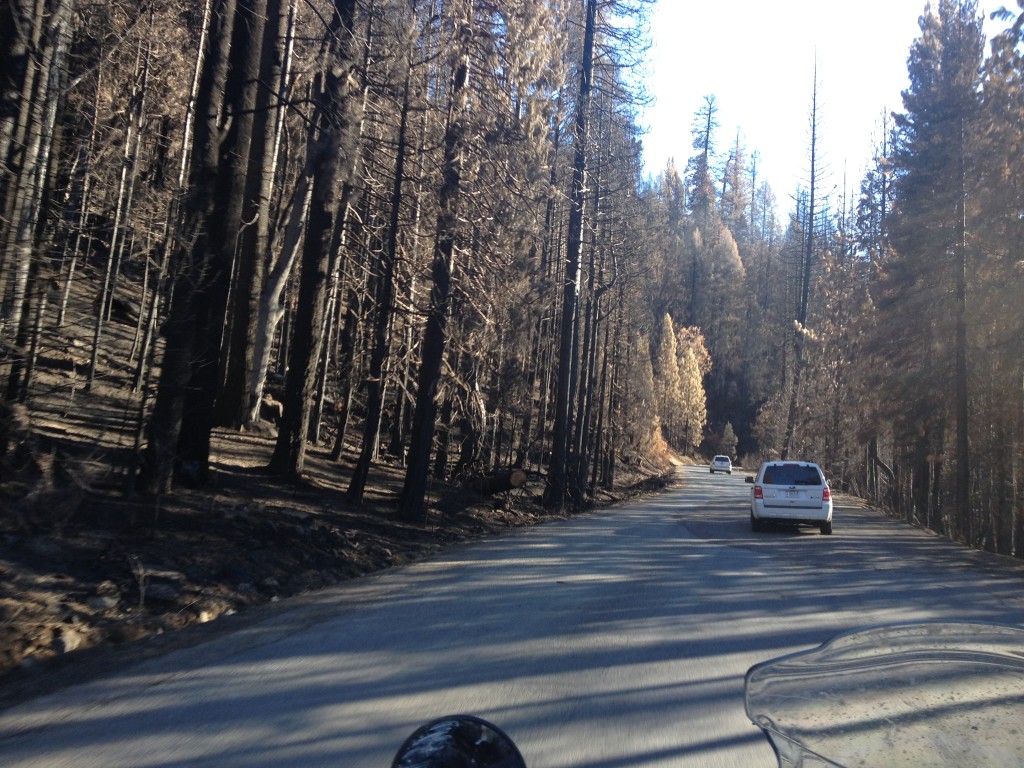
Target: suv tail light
{"x": 759, "y": 492}
{"x": 826, "y": 495}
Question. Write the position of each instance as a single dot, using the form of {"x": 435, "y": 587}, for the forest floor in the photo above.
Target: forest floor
{"x": 91, "y": 575}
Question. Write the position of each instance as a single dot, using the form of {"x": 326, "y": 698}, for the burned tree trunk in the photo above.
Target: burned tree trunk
{"x": 385, "y": 300}
{"x": 193, "y": 267}
{"x": 330, "y": 162}
{"x": 236, "y": 402}
{"x": 410, "y": 505}
{"x": 558, "y": 471}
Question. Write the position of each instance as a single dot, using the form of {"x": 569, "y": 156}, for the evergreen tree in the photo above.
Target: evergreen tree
{"x": 699, "y": 179}
{"x": 875, "y": 199}
{"x": 998, "y": 338}
{"x": 729, "y": 440}
{"x": 639, "y": 398}
{"x": 694, "y": 366}
{"x": 929, "y": 227}
{"x": 330, "y": 164}
{"x": 736, "y": 194}
{"x": 668, "y": 384}
{"x": 812, "y": 213}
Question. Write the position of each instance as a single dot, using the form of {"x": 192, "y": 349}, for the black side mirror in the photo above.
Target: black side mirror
{"x": 748, "y": 479}
{"x": 458, "y": 741}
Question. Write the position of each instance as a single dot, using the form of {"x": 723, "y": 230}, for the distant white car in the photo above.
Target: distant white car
{"x": 721, "y": 464}
{"x": 793, "y": 492}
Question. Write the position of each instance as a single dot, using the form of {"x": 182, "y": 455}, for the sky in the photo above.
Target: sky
{"x": 758, "y": 58}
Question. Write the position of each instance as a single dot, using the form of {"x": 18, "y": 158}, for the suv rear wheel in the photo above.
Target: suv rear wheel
{"x": 826, "y": 528}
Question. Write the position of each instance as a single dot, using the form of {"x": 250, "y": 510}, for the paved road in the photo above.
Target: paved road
{"x": 614, "y": 640}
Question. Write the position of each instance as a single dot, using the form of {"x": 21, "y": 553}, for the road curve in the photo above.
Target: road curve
{"x": 619, "y": 638}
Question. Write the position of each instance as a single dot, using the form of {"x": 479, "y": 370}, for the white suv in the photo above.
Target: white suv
{"x": 721, "y": 464}
{"x": 793, "y": 492}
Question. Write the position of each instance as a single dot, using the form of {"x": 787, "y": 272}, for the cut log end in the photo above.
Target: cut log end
{"x": 497, "y": 482}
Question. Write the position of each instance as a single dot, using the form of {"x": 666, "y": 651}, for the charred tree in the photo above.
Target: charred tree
{"x": 211, "y": 315}
{"x": 194, "y": 266}
{"x": 330, "y": 163}
{"x": 805, "y": 285}
{"x": 28, "y": 114}
{"x": 385, "y": 307}
{"x": 237, "y": 402}
{"x": 555, "y": 494}
{"x": 414, "y": 490}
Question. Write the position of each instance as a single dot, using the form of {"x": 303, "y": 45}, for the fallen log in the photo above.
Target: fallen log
{"x": 497, "y": 482}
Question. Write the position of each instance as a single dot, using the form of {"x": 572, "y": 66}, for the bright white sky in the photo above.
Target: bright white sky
{"x": 757, "y": 57}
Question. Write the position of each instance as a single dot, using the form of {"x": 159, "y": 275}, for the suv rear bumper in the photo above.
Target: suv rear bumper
{"x": 791, "y": 515}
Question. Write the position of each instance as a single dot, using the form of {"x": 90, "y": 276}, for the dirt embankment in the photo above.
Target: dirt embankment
{"x": 88, "y": 571}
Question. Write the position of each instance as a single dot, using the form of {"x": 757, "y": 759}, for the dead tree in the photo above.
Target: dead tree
{"x": 330, "y": 163}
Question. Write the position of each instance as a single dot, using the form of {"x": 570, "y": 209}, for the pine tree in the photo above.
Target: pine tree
{"x": 729, "y": 441}
{"x": 699, "y": 179}
{"x": 692, "y": 400}
{"x": 736, "y": 194}
{"x": 331, "y": 161}
{"x": 998, "y": 339}
{"x": 668, "y": 384}
{"x": 694, "y": 366}
{"x": 875, "y": 199}
{"x": 809, "y": 254}
{"x": 639, "y": 399}
{"x": 929, "y": 232}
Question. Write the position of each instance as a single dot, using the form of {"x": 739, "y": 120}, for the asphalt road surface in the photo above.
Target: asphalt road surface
{"x": 614, "y": 640}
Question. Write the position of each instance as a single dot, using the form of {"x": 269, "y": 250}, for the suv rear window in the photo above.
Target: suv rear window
{"x": 791, "y": 474}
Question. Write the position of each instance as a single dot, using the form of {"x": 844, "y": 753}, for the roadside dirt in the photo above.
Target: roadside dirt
{"x": 91, "y": 576}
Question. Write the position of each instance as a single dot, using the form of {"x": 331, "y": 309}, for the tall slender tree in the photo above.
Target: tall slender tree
{"x": 330, "y": 163}
{"x": 194, "y": 268}
{"x": 30, "y": 92}
{"x": 384, "y": 299}
{"x": 700, "y": 179}
{"x": 809, "y": 254}
{"x": 930, "y": 225}
{"x": 555, "y": 493}
{"x": 262, "y": 92}
{"x": 410, "y": 505}
{"x": 210, "y": 314}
